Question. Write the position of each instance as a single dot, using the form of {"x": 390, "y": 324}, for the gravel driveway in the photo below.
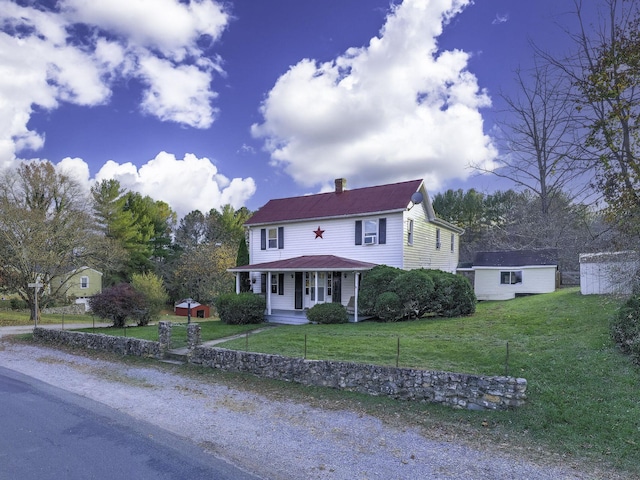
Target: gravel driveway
{"x": 273, "y": 437}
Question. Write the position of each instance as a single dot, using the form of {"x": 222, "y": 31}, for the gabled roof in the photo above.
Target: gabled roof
{"x": 307, "y": 263}
{"x": 516, "y": 258}
{"x": 359, "y": 201}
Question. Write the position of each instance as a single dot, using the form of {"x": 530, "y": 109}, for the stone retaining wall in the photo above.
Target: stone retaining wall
{"x": 98, "y": 341}
{"x": 457, "y": 390}
{"x": 473, "y": 392}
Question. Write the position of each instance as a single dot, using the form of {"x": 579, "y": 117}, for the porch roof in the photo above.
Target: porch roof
{"x": 307, "y": 263}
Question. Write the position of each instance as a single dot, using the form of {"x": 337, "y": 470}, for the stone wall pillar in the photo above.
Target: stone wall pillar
{"x": 193, "y": 335}
{"x": 164, "y": 336}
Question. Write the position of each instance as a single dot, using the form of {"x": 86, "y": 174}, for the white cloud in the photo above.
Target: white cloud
{"x": 44, "y": 61}
{"x": 190, "y": 104}
{"x": 395, "y": 109}
{"x": 500, "y": 18}
{"x": 185, "y": 184}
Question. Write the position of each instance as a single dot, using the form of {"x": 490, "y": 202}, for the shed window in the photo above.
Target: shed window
{"x": 511, "y": 277}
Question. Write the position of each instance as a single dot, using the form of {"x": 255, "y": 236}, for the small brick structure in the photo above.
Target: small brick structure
{"x": 457, "y": 390}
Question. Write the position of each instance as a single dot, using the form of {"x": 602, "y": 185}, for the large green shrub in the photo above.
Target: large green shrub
{"x": 452, "y": 296}
{"x": 241, "y": 309}
{"x": 389, "y": 307}
{"x": 328, "y": 313}
{"x": 414, "y": 291}
{"x": 625, "y": 327}
{"x": 375, "y": 282}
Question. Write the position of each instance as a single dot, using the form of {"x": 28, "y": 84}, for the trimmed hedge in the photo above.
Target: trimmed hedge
{"x": 625, "y": 327}
{"x": 328, "y": 313}
{"x": 241, "y": 309}
{"x": 392, "y": 294}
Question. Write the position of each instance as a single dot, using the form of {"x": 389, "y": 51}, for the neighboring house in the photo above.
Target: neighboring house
{"x": 503, "y": 275}
{"x": 608, "y": 272}
{"x": 80, "y": 283}
{"x": 195, "y": 309}
{"x": 313, "y": 249}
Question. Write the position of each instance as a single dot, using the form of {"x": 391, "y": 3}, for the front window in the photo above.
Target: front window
{"x": 438, "y": 239}
{"x": 511, "y": 278}
{"x": 84, "y": 282}
{"x": 410, "y": 233}
{"x": 453, "y": 244}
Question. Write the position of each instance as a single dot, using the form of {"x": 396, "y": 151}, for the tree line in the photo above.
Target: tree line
{"x": 50, "y": 227}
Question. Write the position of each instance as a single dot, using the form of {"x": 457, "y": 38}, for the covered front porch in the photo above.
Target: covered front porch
{"x": 292, "y": 286}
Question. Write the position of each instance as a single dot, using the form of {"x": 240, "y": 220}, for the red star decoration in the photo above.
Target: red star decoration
{"x": 318, "y": 232}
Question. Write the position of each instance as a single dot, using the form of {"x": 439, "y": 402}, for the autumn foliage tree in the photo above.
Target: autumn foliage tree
{"x": 119, "y": 303}
{"x": 46, "y": 230}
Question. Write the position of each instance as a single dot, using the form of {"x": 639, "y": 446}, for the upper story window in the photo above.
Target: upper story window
{"x": 438, "y": 242}
{"x": 410, "y": 233}
{"x": 371, "y": 231}
{"x": 84, "y": 282}
{"x": 453, "y": 242}
{"x": 272, "y": 238}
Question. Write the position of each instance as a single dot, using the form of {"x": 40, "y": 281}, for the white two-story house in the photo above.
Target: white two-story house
{"x": 313, "y": 249}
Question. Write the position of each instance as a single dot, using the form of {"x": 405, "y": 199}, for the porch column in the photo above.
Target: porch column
{"x": 268, "y": 288}
{"x": 315, "y": 282}
{"x": 355, "y": 306}
{"x": 237, "y": 282}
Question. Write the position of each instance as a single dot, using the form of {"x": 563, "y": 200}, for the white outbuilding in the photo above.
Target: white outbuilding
{"x": 503, "y": 275}
{"x": 608, "y": 272}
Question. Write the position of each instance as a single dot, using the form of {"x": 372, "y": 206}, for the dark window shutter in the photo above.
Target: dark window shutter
{"x": 382, "y": 231}
{"x": 280, "y": 238}
{"x": 263, "y": 239}
{"x": 281, "y": 284}
{"x": 358, "y": 232}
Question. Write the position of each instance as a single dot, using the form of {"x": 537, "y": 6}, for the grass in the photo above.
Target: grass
{"x": 209, "y": 330}
{"x": 22, "y": 317}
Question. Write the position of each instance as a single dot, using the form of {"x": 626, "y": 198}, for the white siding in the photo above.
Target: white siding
{"x": 337, "y": 239}
{"x": 535, "y": 279}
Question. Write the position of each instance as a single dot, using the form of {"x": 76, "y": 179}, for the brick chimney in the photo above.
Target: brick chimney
{"x": 341, "y": 185}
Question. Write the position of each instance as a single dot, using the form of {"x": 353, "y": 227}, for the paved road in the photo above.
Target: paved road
{"x": 48, "y": 433}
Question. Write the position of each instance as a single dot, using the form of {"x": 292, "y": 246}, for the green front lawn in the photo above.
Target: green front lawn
{"x": 583, "y": 394}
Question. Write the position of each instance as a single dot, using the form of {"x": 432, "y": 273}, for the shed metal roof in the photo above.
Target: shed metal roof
{"x": 516, "y": 258}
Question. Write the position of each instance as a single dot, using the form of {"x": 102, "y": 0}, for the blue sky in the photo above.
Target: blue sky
{"x": 202, "y": 103}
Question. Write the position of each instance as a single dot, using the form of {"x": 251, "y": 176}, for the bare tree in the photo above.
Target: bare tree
{"x": 604, "y": 70}
{"x": 539, "y": 137}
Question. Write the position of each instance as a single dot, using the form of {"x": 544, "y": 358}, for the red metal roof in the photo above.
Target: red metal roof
{"x": 307, "y": 263}
{"x": 381, "y": 198}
